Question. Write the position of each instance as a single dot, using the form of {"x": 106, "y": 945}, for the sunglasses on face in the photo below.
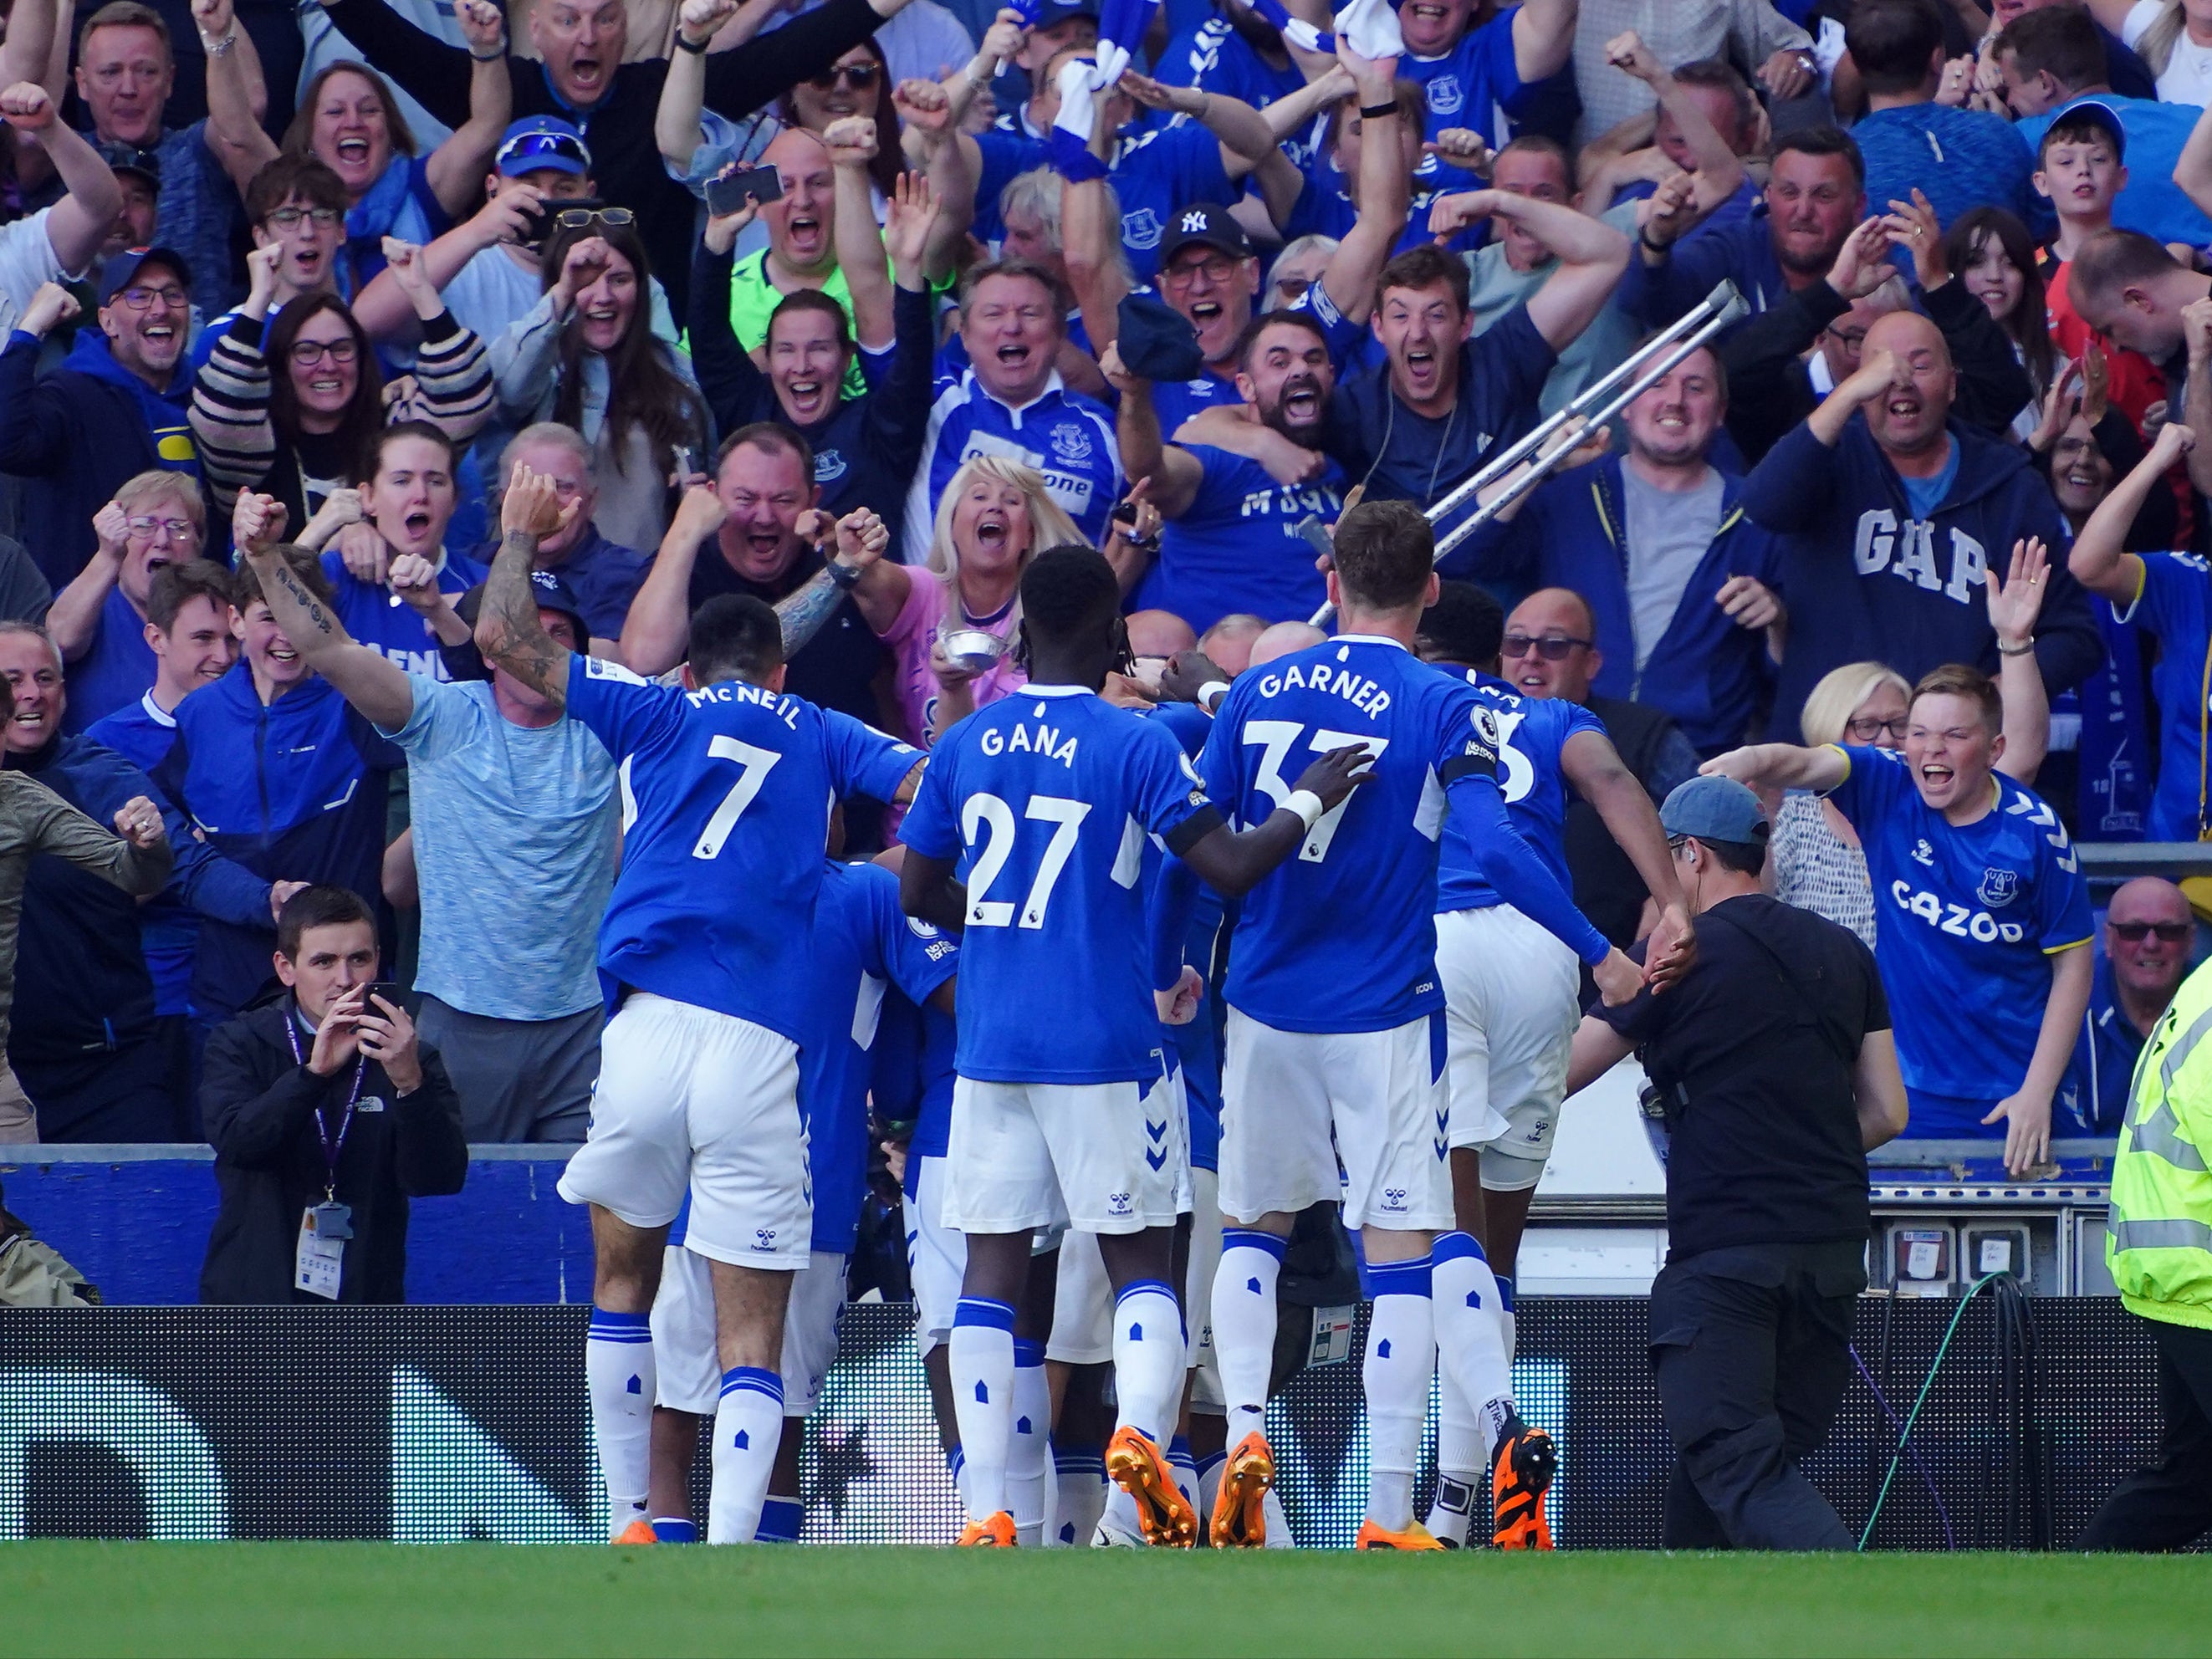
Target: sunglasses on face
{"x": 1865, "y": 728}
{"x": 310, "y": 352}
{"x": 613, "y": 218}
{"x": 859, "y": 76}
{"x": 1552, "y": 647}
{"x": 2169, "y": 933}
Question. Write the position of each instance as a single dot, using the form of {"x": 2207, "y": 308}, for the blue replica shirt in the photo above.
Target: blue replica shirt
{"x": 916, "y": 1077}
{"x": 116, "y": 670}
{"x": 1236, "y": 546}
{"x": 1154, "y": 173}
{"x": 1342, "y": 936}
{"x": 1324, "y": 206}
{"x": 1969, "y": 918}
{"x": 1176, "y": 401}
{"x": 1198, "y": 1042}
{"x": 1531, "y": 736}
{"x": 168, "y": 931}
{"x": 861, "y": 942}
{"x": 386, "y": 623}
{"x": 1045, "y": 799}
{"x": 1005, "y": 156}
{"x": 2151, "y": 203}
{"x": 1958, "y": 158}
{"x": 1067, "y": 437}
{"x": 2176, "y": 605}
{"x": 1213, "y": 58}
{"x": 726, "y": 815}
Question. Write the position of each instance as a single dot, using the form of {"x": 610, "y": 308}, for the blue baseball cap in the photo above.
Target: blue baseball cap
{"x": 120, "y": 271}
{"x": 2094, "y": 110}
{"x": 1714, "y": 808}
{"x": 553, "y": 594}
{"x": 542, "y": 141}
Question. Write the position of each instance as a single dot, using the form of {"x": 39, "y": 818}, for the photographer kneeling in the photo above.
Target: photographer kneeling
{"x": 1774, "y": 1062}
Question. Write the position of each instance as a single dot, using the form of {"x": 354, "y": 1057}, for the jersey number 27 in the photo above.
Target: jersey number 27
{"x": 989, "y": 819}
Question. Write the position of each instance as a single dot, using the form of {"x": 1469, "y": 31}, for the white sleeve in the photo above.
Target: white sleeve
{"x": 2137, "y": 23}
{"x": 28, "y": 260}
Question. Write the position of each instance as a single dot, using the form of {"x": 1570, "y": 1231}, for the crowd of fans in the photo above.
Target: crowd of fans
{"x": 727, "y": 272}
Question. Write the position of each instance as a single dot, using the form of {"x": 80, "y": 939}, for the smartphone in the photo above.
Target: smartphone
{"x": 727, "y": 194}
{"x": 387, "y": 988}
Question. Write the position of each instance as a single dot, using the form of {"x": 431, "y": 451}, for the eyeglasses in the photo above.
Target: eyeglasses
{"x": 288, "y": 218}
{"x": 1219, "y": 269}
{"x": 1552, "y": 647}
{"x": 145, "y": 299}
{"x": 176, "y": 530}
{"x": 308, "y": 353}
{"x": 859, "y": 76}
{"x": 583, "y": 218}
{"x": 1851, "y": 340}
{"x": 2169, "y": 933}
{"x": 543, "y": 149}
{"x": 1867, "y": 727}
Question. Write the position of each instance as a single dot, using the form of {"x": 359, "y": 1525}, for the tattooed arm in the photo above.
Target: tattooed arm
{"x": 374, "y": 685}
{"x": 508, "y": 631}
{"x": 860, "y": 541}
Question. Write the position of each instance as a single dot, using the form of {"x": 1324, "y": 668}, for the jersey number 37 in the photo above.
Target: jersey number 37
{"x": 1275, "y": 739}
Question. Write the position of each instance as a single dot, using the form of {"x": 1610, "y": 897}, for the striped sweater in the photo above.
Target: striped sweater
{"x": 241, "y": 449}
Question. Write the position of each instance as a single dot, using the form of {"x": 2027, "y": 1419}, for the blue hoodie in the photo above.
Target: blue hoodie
{"x": 78, "y": 436}
{"x": 1708, "y": 673}
{"x": 295, "y": 791}
{"x": 1866, "y": 582}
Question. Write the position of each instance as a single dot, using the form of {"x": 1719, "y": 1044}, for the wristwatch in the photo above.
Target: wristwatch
{"x": 846, "y": 576}
{"x": 220, "y": 48}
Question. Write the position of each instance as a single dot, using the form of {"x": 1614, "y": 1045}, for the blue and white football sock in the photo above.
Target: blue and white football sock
{"x": 1029, "y": 1459}
{"x": 1244, "y": 1324}
{"x": 1401, "y": 1359}
{"x": 1507, "y": 1319}
{"x": 1470, "y": 1333}
{"x": 1185, "y": 1468}
{"x": 618, "y": 1372}
{"x": 782, "y": 1518}
{"x": 675, "y": 1530}
{"x": 982, "y": 1357}
{"x": 1080, "y": 1495}
{"x": 1148, "y": 1359}
{"x": 1463, "y": 1453}
{"x": 955, "y": 1465}
{"x": 748, "y": 1424}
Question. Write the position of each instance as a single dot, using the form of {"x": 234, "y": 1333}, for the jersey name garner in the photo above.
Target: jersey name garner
{"x": 1913, "y": 546}
{"x": 1047, "y": 742}
{"x": 1362, "y": 693}
{"x": 1955, "y": 920}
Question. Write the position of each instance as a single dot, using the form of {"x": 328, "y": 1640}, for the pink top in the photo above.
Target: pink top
{"x": 931, "y": 599}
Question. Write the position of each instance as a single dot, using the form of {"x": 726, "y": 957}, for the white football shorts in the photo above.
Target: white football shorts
{"x": 936, "y": 1257}
{"x": 689, "y": 1367}
{"x": 1512, "y": 996}
{"x": 688, "y": 1094}
{"x": 1100, "y": 1157}
{"x": 1294, "y": 1102}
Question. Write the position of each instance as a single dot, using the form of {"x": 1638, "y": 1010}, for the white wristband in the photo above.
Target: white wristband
{"x": 1210, "y": 694}
{"x": 1306, "y": 803}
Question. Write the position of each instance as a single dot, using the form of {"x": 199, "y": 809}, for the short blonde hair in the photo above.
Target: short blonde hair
{"x": 1833, "y": 703}
{"x": 156, "y": 485}
{"x": 1050, "y": 525}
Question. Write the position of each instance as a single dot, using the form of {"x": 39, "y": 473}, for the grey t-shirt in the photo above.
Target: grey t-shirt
{"x": 515, "y": 832}
{"x": 1668, "y": 533}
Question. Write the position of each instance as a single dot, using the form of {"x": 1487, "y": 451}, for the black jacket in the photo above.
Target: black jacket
{"x": 259, "y": 1106}
{"x": 1770, "y": 390}
{"x": 1607, "y": 889}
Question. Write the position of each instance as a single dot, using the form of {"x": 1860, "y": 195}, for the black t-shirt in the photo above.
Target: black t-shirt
{"x": 1757, "y": 1077}
{"x": 835, "y": 669}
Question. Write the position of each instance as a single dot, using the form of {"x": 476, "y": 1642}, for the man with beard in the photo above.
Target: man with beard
{"x": 1231, "y": 542}
{"x": 1891, "y": 514}
{"x": 1815, "y": 196}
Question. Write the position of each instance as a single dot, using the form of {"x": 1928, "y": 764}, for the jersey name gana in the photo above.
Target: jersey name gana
{"x": 1049, "y": 742}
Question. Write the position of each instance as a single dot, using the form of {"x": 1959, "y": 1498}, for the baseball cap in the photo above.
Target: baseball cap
{"x": 1714, "y": 808}
{"x": 1156, "y": 342}
{"x": 121, "y": 270}
{"x": 1208, "y": 222}
{"x": 129, "y": 158}
{"x": 1052, "y": 12}
{"x": 2098, "y": 110}
{"x": 553, "y": 594}
{"x": 542, "y": 141}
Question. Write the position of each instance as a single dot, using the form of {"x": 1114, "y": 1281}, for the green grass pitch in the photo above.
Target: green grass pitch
{"x": 249, "y": 1599}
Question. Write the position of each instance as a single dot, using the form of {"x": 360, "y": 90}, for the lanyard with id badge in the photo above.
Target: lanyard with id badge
{"x": 319, "y": 1260}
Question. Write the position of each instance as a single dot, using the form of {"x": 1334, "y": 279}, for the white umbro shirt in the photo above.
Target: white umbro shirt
{"x": 27, "y": 260}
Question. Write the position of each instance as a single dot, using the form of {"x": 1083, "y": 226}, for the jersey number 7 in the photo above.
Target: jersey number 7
{"x": 753, "y": 762}
{"x": 1276, "y": 738}
{"x": 990, "y": 818}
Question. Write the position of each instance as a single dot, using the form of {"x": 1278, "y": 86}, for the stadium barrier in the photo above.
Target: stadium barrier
{"x": 445, "y": 1423}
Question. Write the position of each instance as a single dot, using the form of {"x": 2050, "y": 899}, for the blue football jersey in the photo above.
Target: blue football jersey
{"x": 1197, "y": 1042}
{"x": 1342, "y": 936}
{"x": 862, "y": 944}
{"x": 1969, "y": 919}
{"x": 380, "y": 619}
{"x": 1236, "y": 546}
{"x": 1045, "y": 799}
{"x": 725, "y": 815}
{"x": 1532, "y": 732}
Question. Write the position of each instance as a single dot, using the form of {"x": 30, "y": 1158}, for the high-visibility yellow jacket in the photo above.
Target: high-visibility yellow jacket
{"x": 2158, "y": 1244}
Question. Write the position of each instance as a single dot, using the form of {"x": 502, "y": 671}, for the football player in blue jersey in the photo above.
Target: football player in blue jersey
{"x": 1336, "y": 1037}
{"x": 706, "y": 941}
{"x": 1512, "y": 992}
{"x": 1983, "y": 912}
{"x": 1027, "y": 836}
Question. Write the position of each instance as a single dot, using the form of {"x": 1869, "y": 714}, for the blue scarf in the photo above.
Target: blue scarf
{"x": 387, "y": 208}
